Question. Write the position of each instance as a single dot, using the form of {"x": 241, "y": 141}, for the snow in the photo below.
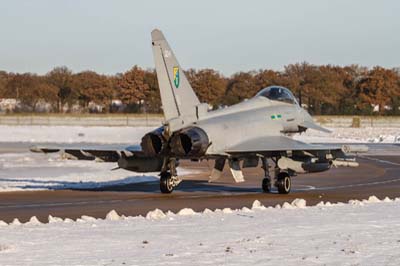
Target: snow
{"x": 341, "y": 234}
{"x": 299, "y": 203}
{"x": 15, "y": 222}
{"x": 207, "y": 211}
{"x": 245, "y": 209}
{"x": 155, "y": 215}
{"x": 22, "y": 171}
{"x": 352, "y": 135}
{"x": 373, "y": 199}
{"x": 31, "y": 171}
{"x": 359, "y": 232}
{"x": 33, "y": 221}
{"x": 257, "y": 205}
{"x": 52, "y": 219}
{"x": 72, "y": 134}
{"x": 186, "y": 212}
{"x": 113, "y": 216}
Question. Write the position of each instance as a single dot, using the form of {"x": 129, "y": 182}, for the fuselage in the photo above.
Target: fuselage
{"x": 250, "y": 119}
{"x": 274, "y": 111}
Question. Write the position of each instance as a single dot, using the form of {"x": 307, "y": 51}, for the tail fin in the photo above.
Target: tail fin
{"x": 179, "y": 101}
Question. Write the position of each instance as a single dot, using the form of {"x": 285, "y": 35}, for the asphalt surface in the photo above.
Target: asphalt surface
{"x": 377, "y": 175}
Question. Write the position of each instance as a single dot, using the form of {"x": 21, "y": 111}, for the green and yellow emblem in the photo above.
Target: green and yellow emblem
{"x": 275, "y": 117}
{"x": 176, "y": 76}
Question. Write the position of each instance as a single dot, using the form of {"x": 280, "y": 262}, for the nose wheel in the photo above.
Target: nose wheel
{"x": 169, "y": 177}
{"x": 166, "y": 184}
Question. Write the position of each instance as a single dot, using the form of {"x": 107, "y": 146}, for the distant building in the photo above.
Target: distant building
{"x": 8, "y": 105}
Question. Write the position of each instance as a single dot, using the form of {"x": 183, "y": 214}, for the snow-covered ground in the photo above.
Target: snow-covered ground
{"x": 133, "y": 135}
{"x": 30, "y": 171}
{"x": 72, "y": 134}
{"x": 358, "y": 233}
{"x": 352, "y": 135}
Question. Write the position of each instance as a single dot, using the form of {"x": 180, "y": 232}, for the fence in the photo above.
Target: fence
{"x": 74, "y": 120}
{"x": 156, "y": 120}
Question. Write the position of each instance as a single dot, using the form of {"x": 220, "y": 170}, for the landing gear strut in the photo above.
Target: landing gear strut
{"x": 168, "y": 177}
{"x": 266, "y": 182}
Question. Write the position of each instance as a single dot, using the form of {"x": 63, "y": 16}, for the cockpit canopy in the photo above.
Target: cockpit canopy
{"x": 278, "y": 93}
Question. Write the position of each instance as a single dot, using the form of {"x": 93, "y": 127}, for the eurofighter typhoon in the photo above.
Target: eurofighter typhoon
{"x": 256, "y": 131}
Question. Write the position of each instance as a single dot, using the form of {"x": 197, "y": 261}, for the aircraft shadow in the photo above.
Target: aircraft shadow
{"x": 185, "y": 186}
{"x": 128, "y": 184}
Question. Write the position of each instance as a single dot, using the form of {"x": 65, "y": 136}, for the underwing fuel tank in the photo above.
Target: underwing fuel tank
{"x": 302, "y": 167}
{"x": 141, "y": 164}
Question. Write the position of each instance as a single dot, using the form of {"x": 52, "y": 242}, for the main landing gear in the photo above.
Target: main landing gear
{"x": 283, "y": 181}
{"x": 168, "y": 177}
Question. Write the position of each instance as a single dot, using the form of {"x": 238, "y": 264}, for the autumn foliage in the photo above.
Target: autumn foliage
{"x": 325, "y": 89}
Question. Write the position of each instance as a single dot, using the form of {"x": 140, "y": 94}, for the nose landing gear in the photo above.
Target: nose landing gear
{"x": 168, "y": 182}
{"x": 169, "y": 178}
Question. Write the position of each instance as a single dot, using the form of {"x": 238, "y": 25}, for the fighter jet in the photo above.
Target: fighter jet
{"x": 242, "y": 135}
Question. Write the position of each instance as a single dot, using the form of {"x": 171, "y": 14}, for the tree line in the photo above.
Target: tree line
{"x": 325, "y": 89}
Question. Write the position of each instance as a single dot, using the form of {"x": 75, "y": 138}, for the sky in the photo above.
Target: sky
{"x": 227, "y": 35}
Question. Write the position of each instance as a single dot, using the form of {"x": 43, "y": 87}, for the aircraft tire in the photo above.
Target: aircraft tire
{"x": 283, "y": 183}
{"x": 266, "y": 185}
{"x": 166, "y": 183}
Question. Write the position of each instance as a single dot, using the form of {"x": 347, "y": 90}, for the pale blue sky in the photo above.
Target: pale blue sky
{"x": 227, "y": 35}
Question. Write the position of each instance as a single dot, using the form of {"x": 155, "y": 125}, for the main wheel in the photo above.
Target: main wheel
{"x": 266, "y": 185}
{"x": 284, "y": 183}
{"x": 166, "y": 183}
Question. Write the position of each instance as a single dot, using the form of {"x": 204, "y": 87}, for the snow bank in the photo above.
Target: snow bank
{"x": 113, "y": 216}
{"x": 158, "y": 214}
{"x": 227, "y": 210}
{"x": 373, "y": 199}
{"x": 299, "y": 203}
{"x": 86, "y": 218}
{"x": 52, "y": 219}
{"x": 207, "y": 211}
{"x": 186, "y": 212}
{"x": 257, "y": 205}
{"x": 310, "y": 236}
{"x": 15, "y": 222}
{"x": 155, "y": 215}
{"x": 33, "y": 221}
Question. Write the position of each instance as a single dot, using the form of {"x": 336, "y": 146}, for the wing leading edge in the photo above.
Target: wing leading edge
{"x": 276, "y": 144}
{"x": 105, "y": 152}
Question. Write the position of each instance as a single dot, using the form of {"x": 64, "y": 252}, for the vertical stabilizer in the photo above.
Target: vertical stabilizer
{"x": 179, "y": 101}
